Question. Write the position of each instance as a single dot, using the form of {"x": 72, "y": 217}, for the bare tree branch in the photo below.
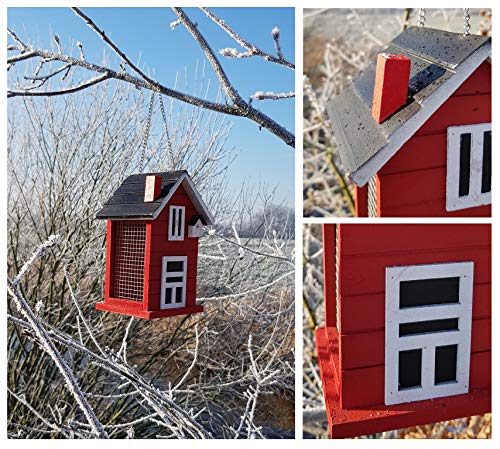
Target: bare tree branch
{"x": 37, "y": 93}
{"x": 252, "y": 50}
{"x": 239, "y": 107}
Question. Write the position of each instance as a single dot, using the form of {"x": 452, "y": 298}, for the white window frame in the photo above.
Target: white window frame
{"x": 394, "y": 316}
{"x": 180, "y": 212}
{"x": 174, "y": 285}
{"x": 475, "y": 197}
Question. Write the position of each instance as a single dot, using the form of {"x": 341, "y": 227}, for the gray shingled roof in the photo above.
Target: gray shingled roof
{"x": 128, "y": 200}
{"x": 439, "y": 61}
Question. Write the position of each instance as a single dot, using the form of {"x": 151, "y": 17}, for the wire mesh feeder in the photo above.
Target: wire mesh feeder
{"x": 130, "y": 249}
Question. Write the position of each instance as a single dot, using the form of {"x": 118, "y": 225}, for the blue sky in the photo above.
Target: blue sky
{"x": 145, "y": 33}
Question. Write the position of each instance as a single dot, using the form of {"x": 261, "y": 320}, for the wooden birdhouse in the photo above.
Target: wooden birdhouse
{"x": 407, "y": 336}
{"x": 414, "y": 129}
{"x": 154, "y": 222}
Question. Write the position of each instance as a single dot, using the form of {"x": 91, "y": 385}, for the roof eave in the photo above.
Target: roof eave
{"x": 194, "y": 196}
{"x": 428, "y": 106}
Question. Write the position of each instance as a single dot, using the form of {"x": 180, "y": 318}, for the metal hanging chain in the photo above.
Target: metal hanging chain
{"x": 421, "y": 17}
{"x": 146, "y": 131}
{"x": 466, "y": 22}
{"x": 165, "y": 123}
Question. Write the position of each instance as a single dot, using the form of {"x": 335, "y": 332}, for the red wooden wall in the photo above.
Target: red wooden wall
{"x": 365, "y": 251}
{"x": 161, "y": 246}
{"x": 413, "y": 182}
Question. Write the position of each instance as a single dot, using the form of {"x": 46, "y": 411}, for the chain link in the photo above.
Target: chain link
{"x": 165, "y": 123}
{"x": 466, "y": 22}
{"x": 146, "y": 131}
{"x": 421, "y": 17}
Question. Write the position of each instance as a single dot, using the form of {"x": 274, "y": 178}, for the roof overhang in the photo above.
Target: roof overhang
{"x": 427, "y": 107}
{"x": 188, "y": 185}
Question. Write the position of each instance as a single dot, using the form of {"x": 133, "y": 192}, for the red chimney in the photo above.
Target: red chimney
{"x": 153, "y": 188}
{"x": 391, "y": 85}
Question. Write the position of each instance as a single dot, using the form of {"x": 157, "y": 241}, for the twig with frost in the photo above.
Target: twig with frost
{"x": 249, "y": 292}
{"x": 238, "y": 106}
{"x": 193, "y": 363}
{"x": 259, "y": 95}
{"x": 171, "y": 414}
{"x": 40, "y": 251}
{"x": 47, "y": 343}
{"x": 251, "y": 250}
{"x": 276, "y": 36}
{"x": 252, "y": 50}
{"x": 122, "y": 352}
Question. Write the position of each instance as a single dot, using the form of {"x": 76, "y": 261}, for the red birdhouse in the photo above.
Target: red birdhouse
{"x": 407, "y": 336}
{"x": 414, "y": 129}
{"x": 154, "y": 222}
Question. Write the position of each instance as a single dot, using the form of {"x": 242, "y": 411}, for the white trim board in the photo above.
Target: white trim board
{"x": 475, "y": 197}
{"x": 427, "y": 342}
{"x": 428, "y": 106}
{"x": 180, "y": 212}
{"x": 194, "y": 196}
{"x": 174, "y": 285}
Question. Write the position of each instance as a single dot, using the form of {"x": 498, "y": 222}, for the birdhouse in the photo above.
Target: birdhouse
{"x": 154, "y": 221}
{"x": 414, "y": 129}
{"x": 407, "y": 335}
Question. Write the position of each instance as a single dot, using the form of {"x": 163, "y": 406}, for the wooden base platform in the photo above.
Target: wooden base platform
{"x": 362, "y": 421}
{"x": 148, "y": 315}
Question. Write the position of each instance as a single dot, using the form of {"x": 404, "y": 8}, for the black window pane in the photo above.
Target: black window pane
{"x": 422, "y": 327}
{"x": 446, "y": 364}
{"x": 486, "y": 178}
{"x": 179, "y": 229}
{"x": 178, "y": 295}
{"x": 168, "y": 296}
{"x": 172, "y": 222}
{"x": 410, "y": 368}
{"x": 464, "y": 180}
{"x": 425, "y": 292}
{"x": 174, "y": 279}
{"x": 175, "y": 266}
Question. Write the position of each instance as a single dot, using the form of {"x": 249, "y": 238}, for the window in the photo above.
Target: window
{"x": 176, "y": 223}
{"x": 428, "y": 317}
{"x": 468, "y": 178}
{"x": 173, "y": 282}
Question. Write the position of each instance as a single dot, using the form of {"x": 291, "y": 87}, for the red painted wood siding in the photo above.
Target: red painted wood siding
{"x": 361, "y": 200}
{"x": 413, "y": 182}
{"x": 161, "y": 246}
{"x": 365, "y": 251}
{"x": 329, "y": 279}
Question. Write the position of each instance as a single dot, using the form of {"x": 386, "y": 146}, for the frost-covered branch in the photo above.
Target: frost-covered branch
{"x": 47, "y": 343}
{"x": 251, "y": 50}
{"x": 259, "y": 95}
{"x": 236, "y": 107}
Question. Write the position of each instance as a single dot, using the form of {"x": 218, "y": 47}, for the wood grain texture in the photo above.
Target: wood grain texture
{"x": 157, "y": 246}
{"x": 361, "y": 201}
{"x": 413, "y": 182}
{"x": 368, "y": 349}
{"x": 330, "y": 274}
{"x": 478, "y": 83}
{"x": 365, "y": 251}
{"x": 350, "y": 422}
{"x": 372, "y": 379}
